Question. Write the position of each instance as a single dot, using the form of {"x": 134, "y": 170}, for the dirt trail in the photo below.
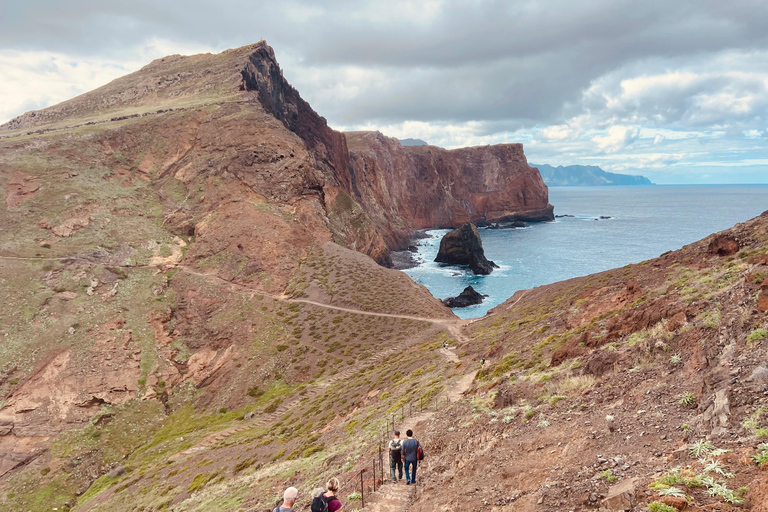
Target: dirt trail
{"x": 396, "y": 497}
{"x": 393, "y": 498}
{"x": 450, "y": 324}
{"x": 456, "y": 391}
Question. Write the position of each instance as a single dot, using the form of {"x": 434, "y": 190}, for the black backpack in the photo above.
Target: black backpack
{"x": 395, "y": 452}
{"x": 320, "y": 503}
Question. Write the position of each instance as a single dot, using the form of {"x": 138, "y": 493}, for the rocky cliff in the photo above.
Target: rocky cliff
{"x": 415, "y": 187}
{"x": 374, "y": 195}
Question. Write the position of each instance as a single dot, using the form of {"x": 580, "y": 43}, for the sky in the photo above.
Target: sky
{"x": 676, "y": 91}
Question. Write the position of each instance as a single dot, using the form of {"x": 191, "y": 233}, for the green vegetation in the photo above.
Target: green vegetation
{"x": 688, "y": 400}
{"x": 657, "y": 506}
{"x": 757, "y": 335}
{"x": 761, "y": 457}
{"x": 201, "y": 480}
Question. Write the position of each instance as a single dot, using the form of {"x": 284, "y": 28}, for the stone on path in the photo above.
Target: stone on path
{"x": 621, "y": 496}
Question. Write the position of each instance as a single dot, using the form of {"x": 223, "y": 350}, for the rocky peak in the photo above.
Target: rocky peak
{"x": 262, "y": 74}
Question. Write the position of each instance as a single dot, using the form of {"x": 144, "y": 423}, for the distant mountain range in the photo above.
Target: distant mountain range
{"x": 413, "y": 142}
{"x": 585, "y": 175}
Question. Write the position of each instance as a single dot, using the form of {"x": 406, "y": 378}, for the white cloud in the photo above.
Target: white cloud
{"x": 557, "y": 132}
{"x": 37, "y": 79}
{"x": 617, "y": 138}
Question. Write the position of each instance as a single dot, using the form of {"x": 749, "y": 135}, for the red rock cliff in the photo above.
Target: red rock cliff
{"x": 374, "y": 192}
{"x": 414, "y": 187}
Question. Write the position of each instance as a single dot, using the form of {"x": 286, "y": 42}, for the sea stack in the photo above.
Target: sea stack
{"x": 463, "y": 246}
{"x": 469, "y": 297}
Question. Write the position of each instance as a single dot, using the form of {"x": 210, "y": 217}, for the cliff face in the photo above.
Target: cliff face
{"x": 373, "y": 196}
{"x": 262, "y": 74}
{"x": 415, "y": 187}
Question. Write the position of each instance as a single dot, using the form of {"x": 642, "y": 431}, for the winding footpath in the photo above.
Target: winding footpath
{"x": 389, "y": 497}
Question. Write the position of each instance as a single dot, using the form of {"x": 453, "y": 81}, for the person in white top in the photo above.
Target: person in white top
{"x": 395, "y": 460}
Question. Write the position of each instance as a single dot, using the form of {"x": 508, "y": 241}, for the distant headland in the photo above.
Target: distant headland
{"x": 586, "y": 176}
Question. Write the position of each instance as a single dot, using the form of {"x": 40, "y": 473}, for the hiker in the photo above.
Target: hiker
{"x": 289, "y": 498}
{"x": 327, "y": 501}
{"x": 410, "y": 450}
{"x": 482, "y": 362}
{"x": 445, "y": 344}
{"x": 395, "y": 460}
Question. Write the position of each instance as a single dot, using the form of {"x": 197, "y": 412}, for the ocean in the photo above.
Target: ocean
{"x": 644, "y": 223}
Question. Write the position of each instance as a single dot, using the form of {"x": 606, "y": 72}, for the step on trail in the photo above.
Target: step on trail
{"x": 392, "y": 498}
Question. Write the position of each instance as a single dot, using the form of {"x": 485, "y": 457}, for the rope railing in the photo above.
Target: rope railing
{"x": 381, "y": 438}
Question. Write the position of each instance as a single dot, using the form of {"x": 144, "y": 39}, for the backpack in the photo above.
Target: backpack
{"x": 419, "y": 452}
{"x": 320, "y": 503}
{"x": 395, "y": 446}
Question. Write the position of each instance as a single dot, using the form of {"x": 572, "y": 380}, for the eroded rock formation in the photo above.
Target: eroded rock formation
{"x": 463, "y": 246}
{"x": 403, "y": 188}
{"x": 468, "y": 297}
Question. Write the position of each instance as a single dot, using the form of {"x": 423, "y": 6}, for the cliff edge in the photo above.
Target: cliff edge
{"x": 405, "y": 188}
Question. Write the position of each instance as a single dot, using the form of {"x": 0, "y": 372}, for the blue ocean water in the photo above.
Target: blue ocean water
{"x": 645, "y": 222}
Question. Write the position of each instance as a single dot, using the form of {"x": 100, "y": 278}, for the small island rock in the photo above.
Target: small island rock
{"x": 463, "y": 246}
{"x": 469, "y": 297}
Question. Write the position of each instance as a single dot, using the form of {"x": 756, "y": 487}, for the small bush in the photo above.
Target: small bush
{"x": 762, "y": 454}
{"x": 756, "y": 335}
{"x": 701, "y": 448}
{"x": 255, "y": 392}
{"x": 688, "y": 400}
{"x": 273, "y": 406}
{"x": 244, "y": 464}
{"x": 201, "y": 480}
{"x": 355, "y": 496}
{"x": 656, "y": 506}
{"x": 672, "y": 491}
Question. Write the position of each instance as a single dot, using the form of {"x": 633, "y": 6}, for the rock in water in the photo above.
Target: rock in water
{"x": 469, "y": 297}
{"x": 463, "y": 246}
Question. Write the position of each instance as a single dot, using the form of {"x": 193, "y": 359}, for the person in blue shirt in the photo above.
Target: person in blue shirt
{"x": 410, "y": 448}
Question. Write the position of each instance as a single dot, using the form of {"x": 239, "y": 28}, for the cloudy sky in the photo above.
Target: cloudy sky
{"x": 677, "y": 91}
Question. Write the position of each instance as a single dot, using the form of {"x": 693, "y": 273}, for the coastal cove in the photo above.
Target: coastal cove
{"x": 644, "y": 223}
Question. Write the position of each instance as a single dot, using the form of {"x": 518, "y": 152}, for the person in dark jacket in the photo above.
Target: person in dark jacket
{"x": 410, "y": 447}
